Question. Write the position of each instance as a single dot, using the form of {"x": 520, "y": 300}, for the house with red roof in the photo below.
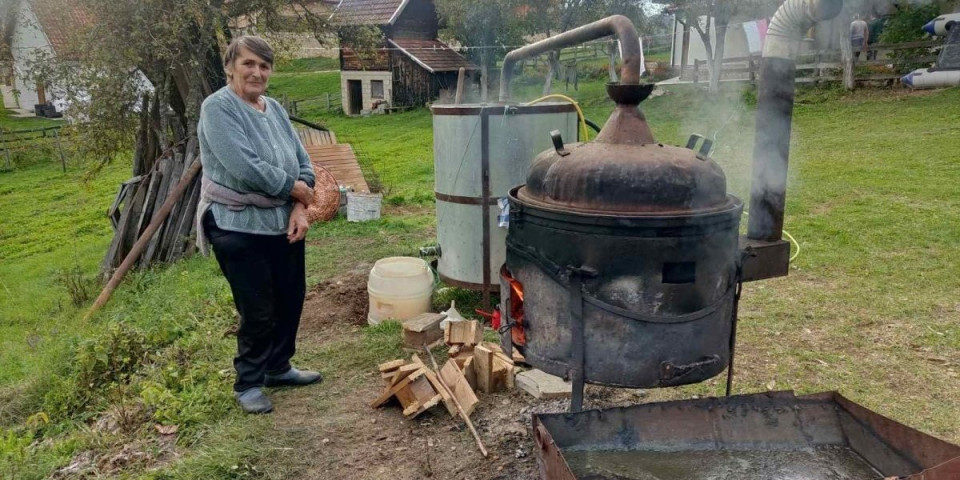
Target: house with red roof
{"x": 404, "y": 66}
{"x": 36, "y": 29}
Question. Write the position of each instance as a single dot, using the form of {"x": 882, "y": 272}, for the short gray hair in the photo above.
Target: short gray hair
{"x": 256, "y": 45}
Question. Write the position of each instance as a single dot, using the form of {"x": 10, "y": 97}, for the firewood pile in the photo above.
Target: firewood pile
{"x": 472, "y": 366}
{"x": 165, "y": 155}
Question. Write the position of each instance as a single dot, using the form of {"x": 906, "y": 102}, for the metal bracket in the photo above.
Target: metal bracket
{"x": 705, "y": 147}
{"x": 763, "y": 259}
{"x": 558, "y": 143}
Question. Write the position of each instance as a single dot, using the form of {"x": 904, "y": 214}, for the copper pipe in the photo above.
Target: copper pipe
{"x": 617, "y": 25}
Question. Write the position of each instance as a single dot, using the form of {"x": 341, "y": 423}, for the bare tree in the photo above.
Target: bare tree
{"x": 711, "y": 19}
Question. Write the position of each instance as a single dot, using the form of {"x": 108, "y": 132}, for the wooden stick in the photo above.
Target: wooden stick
{"x": 456, "y": 402}
{"x": 144, "y": 240}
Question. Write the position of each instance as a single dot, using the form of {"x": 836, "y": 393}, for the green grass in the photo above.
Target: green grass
{"x": 870, "y": 308}
{"x": 51, "y": 223}
{"x": 314, "y": 64}
{"x": 298, "y": 86}
{"x": 9, "y": 122}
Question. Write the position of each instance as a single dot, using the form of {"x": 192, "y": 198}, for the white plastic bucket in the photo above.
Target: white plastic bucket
{"x": 399, "y": 289}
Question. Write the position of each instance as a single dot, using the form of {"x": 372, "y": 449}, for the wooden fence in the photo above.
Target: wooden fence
{"x": 19, "y": 139}
{"x": 326, "y": 102}
{"x": 828, "y": 65}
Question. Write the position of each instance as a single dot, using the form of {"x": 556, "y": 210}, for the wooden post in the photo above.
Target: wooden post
{"x": 63, "y": 158}
{"x": 460, "y": 79}
{"x": 463, "y": 414}
{"x": 327, "y": 95}
{"x": 696, "y": 71}
{"x": 6, "y": 151}
{"x": 846, "y": 51}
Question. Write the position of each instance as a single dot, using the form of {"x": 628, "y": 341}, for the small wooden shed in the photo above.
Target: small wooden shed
{"x": 408, "y": 66}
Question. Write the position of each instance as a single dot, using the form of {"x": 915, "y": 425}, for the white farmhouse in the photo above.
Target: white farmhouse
{"x": 33, "y": 29}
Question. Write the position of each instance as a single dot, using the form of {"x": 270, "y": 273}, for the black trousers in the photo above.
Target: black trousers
{"x": 268, "y": 279}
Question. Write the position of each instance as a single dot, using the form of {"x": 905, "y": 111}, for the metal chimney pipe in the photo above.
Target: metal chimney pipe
{"x": 775, "y": 98}
{"x": 617, "y": 25}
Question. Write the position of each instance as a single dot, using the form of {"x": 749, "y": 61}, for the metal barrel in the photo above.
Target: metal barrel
{"x": 480, "y": 153}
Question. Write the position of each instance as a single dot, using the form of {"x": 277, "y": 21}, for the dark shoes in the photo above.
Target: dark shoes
{"x": 293, "y": 377}
{"x": 252, "y": 400}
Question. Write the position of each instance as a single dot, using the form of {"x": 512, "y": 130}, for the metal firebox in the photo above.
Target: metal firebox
{"x": 763, "y": 436}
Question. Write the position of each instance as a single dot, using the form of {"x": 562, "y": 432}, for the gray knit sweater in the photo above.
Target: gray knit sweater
{"x": 250, "y": 151}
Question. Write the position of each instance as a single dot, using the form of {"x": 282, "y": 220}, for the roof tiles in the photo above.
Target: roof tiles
{"x": 433, "y": 55}
{"x": 367, "y": 12}
{"x": 61, "y": 20}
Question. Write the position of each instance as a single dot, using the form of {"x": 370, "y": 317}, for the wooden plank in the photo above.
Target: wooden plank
{"x": 422, "y": 330}
{"x": 162, "y": 237}
{"x": 187, "y": 224}
{"x": 148, "y": 201}
{"x": 467, "y": 333}
{"x": 415, "y": 359}
{"x": 498, "y": 375}
{"x": 341, "y": 161}
{"x": 455, "y": 379}
{"x": 392, "y": 390}
{"x": 172, "y": 229}
{"x": 422, "y": 389}
{"x": 543, "y": 385}
{"x": 132, "y": 231}
{"x": 483, "y": 368}
{"x": 404, "y": 372}
{"x": 391, "y": 365}
{"x": 427, "y": 406}
{"x": 469, "y": 372}
{"x": 115, "y": 252}
{"x": 447, "y": 400}
{"x": 412, "y": 409}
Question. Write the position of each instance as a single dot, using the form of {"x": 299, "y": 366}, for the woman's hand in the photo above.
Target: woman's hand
{"x": 302, "y": 192}
{"x": 297, "y": 229}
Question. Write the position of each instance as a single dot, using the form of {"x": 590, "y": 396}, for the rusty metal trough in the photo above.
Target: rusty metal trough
{"x": 770, "y": 436}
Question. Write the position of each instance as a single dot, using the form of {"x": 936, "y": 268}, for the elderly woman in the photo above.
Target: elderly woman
{"x": 257, "y": 181}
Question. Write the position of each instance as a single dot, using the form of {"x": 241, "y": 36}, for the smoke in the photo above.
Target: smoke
{"x": 726, "y": 118}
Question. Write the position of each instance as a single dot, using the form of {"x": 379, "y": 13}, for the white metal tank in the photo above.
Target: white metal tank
{"x": 469, "y": 140}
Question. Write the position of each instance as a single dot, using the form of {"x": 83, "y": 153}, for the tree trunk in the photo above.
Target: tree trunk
{"x": 552, "y": 68}
{"x": 716, "y": 68}
{"x": 846, "y": 55}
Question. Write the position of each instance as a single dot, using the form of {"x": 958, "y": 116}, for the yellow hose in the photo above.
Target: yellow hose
{"x": 792, "y": 240}
{"x": 583, "y": 120}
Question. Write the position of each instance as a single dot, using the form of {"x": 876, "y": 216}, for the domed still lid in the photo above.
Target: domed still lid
{"x": 624, "y": 171}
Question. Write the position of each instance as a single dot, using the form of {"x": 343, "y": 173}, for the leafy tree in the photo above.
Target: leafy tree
{"x": 176, "y": 46}
{"x": 488, "y": 28}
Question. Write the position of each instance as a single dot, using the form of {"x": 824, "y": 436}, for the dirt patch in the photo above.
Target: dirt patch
{"x": 330, "y": 431}
{"x": 339, "y": 301}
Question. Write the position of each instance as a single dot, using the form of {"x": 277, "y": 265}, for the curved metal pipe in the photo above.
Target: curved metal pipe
{"x": 791, "y": 23}
{"x": 617, "y": 25}
{"x": 775, "y": 96}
